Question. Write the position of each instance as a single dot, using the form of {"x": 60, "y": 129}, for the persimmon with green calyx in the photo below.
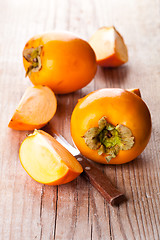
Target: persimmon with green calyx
{"x": 47, "y": 161}
{"x": 111, "y": 126}
{"x": 109, "y": 139}
{"x": 59, "y": 60}
{"x": 36, "y": 108}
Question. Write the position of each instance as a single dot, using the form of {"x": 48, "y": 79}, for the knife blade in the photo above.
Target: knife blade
{"x": 95, "y": 176}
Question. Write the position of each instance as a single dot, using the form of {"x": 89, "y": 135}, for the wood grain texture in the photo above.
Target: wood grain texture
{"x": 76, "y": 211}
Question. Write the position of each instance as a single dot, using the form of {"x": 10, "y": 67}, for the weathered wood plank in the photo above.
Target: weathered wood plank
{"x": 29, "y": 210}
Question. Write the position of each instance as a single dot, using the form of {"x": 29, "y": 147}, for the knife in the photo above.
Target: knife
{"x": 95, "y": 176}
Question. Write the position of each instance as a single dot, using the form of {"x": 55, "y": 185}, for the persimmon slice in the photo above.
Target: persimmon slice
{"x": 135, "y": 91}
{"x": 37, "y": 106}
{"x": 47, "y": 161}
{"x": 109, "y": 47}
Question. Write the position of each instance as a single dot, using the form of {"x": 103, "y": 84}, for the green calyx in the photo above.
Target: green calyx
{"x": 32, "y": 55}
{"x": 109, "y": 139}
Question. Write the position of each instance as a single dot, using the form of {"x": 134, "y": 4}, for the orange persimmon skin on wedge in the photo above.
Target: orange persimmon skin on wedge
{"x": 68, "y": 63}
{"x": 47, "y": 161}
{"x": 36, "y": 108}
{"x": 119, "y": 107}
{"x": 109, "y": 47}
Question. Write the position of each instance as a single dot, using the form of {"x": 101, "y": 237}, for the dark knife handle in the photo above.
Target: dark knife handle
{"x": 100, "y": 181}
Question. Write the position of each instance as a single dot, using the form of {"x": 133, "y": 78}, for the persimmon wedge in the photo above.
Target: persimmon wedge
{"x": 47, "y": 161}
{"x": 109, "y": 47}
{"x": 37, "y": 106}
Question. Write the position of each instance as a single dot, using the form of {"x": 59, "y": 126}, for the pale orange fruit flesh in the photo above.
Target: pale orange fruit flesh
{"x": 109, "y": 47}
{"x": 37, "y": 107}
{"x": 47, "y": 161}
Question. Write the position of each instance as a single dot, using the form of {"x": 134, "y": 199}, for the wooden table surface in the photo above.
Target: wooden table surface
{"x": 76, "y": 211}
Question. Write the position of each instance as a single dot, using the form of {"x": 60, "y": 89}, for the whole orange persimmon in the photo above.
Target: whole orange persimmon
{"x": 59, "y": 60}
{"x": 111, "y": 126}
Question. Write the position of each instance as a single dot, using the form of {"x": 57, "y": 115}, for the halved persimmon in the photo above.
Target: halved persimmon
{"x": 47, "y": 161}
{"x": 109, "y": 47}
{"x": 59, "y": 60}
{"x": 111, "y": 126}
{"x": 36, "y": 108}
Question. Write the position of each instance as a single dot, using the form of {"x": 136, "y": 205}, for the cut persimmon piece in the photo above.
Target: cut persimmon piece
{"x": 135, "y": 91}
{"x": 36, "y": 108}
{"x": 47, "y": 161}
{"x": 109, "y": 47}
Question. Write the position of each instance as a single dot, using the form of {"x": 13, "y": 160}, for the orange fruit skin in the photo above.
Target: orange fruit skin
{"x": 23, "y": 126}
{"x": 120, "y": 107}
{"x": 68, "y": 62}
{"x": 66, "y": 158}
{"x": 111, "y": 61}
